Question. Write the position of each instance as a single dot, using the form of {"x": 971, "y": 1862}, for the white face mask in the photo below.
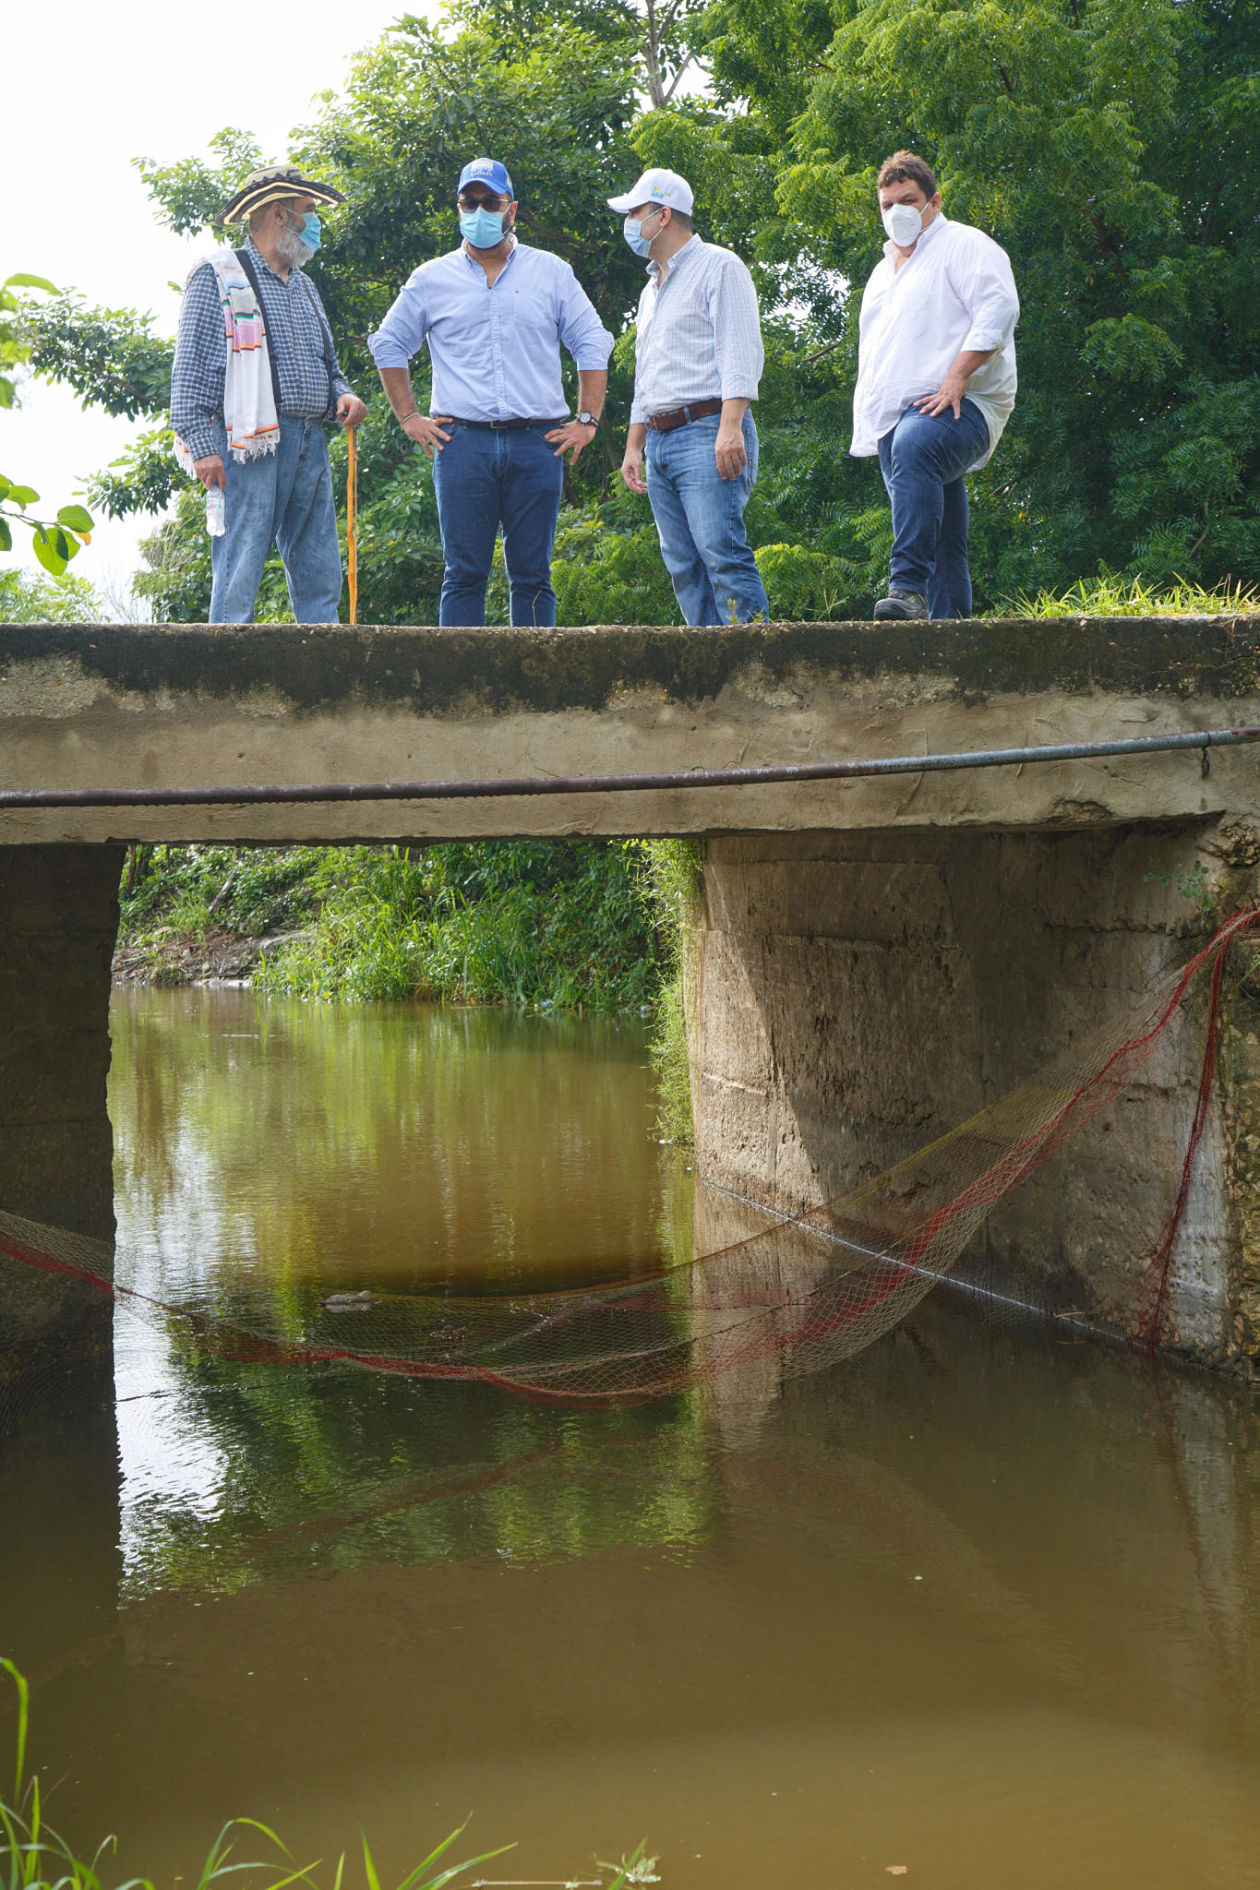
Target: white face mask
{"x": 903, "y": 223}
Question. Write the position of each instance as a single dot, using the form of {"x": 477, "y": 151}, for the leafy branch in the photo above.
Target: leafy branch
{"x": 54, "y": 541}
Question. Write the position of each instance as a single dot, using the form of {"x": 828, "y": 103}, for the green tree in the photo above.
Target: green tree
{"x": 25, "y": 598}
{"x": 1107, "y": 144}
{"x": 55, "y": 541}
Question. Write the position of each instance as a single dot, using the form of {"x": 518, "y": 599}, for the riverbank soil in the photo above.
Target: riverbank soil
{"x": 187, "y": 958}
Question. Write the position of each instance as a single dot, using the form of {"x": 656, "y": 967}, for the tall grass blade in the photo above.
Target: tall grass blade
{"x": 24, "y": 1703}
{"x": 369, "y": 1866}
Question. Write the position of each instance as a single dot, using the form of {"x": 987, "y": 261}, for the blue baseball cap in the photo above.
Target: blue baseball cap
{"x": 491, "y": 173}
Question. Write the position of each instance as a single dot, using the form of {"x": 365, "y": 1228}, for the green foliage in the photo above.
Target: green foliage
{"x": 1108, "y": 146}
{"x": 543, "y": 923}
{"x": 189, "y": 194}
{"x": 561, "y": 924}
{"x": 667, "y": 1048}
{"x": 1086, "y": 140}
{"x": 603, "y": 575}
{"x": 1108, "y": 595}
{"x": 674, "y": 887}
{"x": 28, "y": 599}
{"x": 54, "y": 541}
{"x": 252, "y": 890}
{"x": 14, "y": 351}
{"x": 108, "y": 355}
{"x": 144, "y": 478}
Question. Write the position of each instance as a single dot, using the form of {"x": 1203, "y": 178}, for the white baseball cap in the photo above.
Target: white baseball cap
{"x": 657, "y": 186}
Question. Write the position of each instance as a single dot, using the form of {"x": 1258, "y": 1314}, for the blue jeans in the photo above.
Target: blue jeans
{"x": 923, "y": 460}
{"x": 284, "y": 499}
{"x": 700, "y": 522}
{"x": 484, "y": 479}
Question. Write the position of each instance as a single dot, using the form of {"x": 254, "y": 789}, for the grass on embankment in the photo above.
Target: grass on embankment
{"x": 565, "y": 924}
{"x": 1112, "y": 594}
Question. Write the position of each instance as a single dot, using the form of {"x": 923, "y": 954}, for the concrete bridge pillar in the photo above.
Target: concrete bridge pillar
{"x": 853, "y": 996}
{"x": 58, "y": 923}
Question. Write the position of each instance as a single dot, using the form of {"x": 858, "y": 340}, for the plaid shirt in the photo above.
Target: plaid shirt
{"x": 698, "y": 335}
{"x": 298, "y": 333}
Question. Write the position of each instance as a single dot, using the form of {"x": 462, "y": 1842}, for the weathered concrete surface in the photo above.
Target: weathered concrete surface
{"x": 189, "y": 705}
{"x": 854, "y": 996}
{"x": 58, "y": 922}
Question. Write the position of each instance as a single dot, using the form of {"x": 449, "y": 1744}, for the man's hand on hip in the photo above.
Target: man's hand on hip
{"x": 571, "y": 438}
{"x": 351, "y": 411}
{"x": 953, "y": 389}
{"x": 948, "y": 396}
{"x": 425, "y": 429}
{"x": 210, "y": 471}
{"x": 728, "y": 450}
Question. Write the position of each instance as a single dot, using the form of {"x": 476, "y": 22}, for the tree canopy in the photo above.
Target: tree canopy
{"x": 1106, "y": 144}
{"x": 54, "y": 541}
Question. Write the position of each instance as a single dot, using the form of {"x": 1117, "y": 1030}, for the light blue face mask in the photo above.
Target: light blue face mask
{"x": 482, "y": 228}
{"x": 312, "y": 230}
{"x": 632, "y": 230}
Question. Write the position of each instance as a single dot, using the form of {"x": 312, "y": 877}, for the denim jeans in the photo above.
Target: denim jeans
{"x": 700, "y": 521}
{"x": 283, "y": 498}
{"x": 923, "y": 460}
{"x": 484, "y": 479}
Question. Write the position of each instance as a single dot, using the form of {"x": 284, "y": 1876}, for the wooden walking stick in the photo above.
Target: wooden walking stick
{"x": 352, "y": 543}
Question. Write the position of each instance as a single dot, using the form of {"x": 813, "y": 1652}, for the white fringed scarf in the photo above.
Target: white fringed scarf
{"x": 249, "y": 405}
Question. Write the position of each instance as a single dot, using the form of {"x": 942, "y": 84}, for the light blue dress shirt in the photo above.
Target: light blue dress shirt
{"x": 495, "y": 350}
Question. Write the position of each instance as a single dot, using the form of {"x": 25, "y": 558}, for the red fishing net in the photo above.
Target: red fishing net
{"x": 807, "y": 1290}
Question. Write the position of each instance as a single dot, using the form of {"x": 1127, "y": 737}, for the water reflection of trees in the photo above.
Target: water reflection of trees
{"x": 324, "y": 1469}
{"x": 399, "y": 1143}
{"x": 268, "y": 1151}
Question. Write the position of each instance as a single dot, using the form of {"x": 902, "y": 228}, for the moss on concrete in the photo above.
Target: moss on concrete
{"x": 314, "y": 667}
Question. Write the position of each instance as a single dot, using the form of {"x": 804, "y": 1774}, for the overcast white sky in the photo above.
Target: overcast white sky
{"x": 88, "y": 89}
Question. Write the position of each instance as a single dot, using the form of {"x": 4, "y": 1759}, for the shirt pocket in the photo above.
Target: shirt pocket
{"x": 527, "y": 320}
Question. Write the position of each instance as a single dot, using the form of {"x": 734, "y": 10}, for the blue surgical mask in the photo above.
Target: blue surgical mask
{"x": 312, "y": 230}
{"x": 482, "y": 228}
{"x": 632, "y": 230}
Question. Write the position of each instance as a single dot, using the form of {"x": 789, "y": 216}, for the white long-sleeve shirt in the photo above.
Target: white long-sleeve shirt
{"x": 956, "y": 292}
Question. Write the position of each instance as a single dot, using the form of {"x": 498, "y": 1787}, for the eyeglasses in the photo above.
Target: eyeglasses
{"x": 486, "y": 202}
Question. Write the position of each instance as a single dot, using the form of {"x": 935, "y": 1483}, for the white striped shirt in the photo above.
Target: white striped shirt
{"x": 698, "y": 335}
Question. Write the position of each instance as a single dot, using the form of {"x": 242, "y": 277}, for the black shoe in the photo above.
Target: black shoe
{"x": 902, "y": 604}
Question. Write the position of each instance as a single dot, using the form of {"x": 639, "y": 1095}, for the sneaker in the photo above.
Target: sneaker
{"x": 902, "y": 604}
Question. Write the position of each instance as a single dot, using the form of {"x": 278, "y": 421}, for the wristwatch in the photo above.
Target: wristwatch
{"x": 585, "y": 419}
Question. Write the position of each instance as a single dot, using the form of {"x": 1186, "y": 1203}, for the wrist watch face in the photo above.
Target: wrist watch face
{"x": 587, "y": 420}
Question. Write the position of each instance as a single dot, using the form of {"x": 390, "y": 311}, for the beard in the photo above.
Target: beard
{"x": 292, "y": 251}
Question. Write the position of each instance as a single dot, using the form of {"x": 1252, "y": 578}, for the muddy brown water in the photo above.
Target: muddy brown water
{"x": 979, "y": 1605}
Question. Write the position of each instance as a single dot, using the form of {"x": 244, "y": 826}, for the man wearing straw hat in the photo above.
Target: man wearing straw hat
{"x": 254, "y": 382}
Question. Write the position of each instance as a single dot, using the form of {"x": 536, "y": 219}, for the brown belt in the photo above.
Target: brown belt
{"x": 698, "y": 410}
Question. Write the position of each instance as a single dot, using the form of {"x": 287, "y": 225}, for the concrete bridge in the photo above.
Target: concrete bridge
{"x": 871, "y": 960}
